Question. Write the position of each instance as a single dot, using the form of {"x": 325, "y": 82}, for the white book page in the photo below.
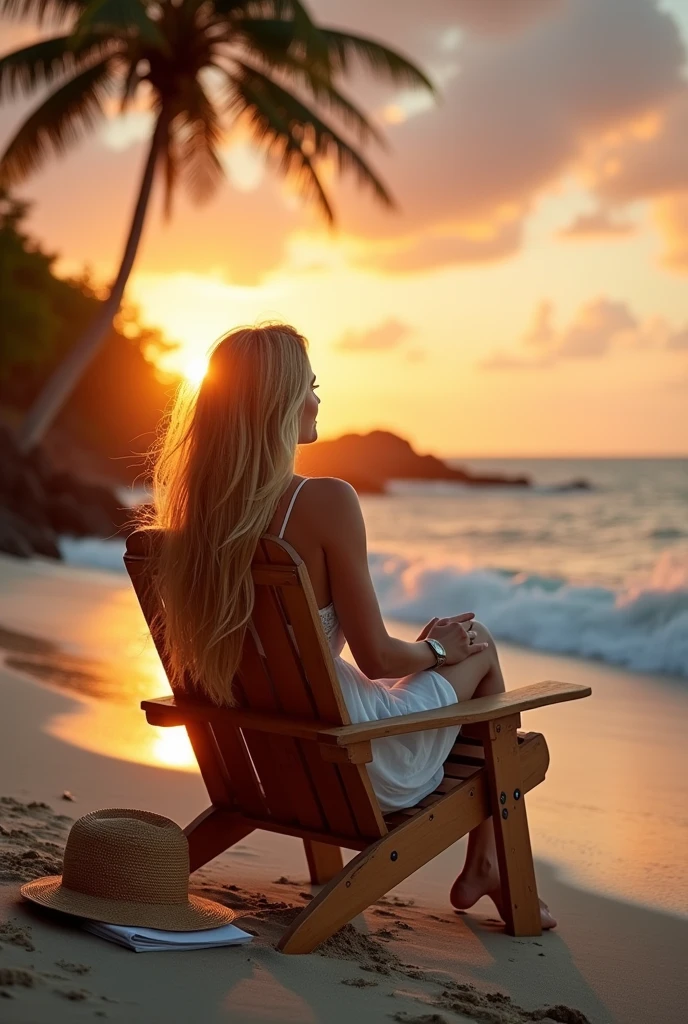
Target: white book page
{"x": 154, "y": 938}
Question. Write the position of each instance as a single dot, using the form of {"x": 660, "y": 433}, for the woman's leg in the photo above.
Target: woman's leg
{"x": 480, "y": 874}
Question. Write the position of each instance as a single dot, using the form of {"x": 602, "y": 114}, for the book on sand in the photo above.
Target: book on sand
{"x": 144, "y": 940}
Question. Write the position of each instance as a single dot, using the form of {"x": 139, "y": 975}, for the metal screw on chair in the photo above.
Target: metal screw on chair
{"x": 431, "y": 818}
{"x": 393, "y": 855}
{"x": 348, "y": 885}
{"x": 505, "y": 814}
{"x": 502, "y": 798}
{"x": 517, "y": 794}
{"x": 498, "y": 728}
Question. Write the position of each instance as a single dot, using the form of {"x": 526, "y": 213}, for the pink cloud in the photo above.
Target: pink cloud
{"x": 519, "y": 113}
{"x": 530, "y": 89}
{"x": 497, "y": 17}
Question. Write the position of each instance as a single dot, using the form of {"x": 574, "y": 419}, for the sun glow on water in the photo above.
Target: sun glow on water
{"x": 171, "y": 747}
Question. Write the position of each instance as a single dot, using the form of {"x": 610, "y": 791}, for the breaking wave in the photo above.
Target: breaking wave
{"x": 644, "y": 627}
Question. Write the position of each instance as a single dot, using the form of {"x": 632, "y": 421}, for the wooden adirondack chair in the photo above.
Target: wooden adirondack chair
{"x": 287, "y": 759}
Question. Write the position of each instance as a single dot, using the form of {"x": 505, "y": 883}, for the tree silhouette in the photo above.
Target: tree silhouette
{"x": 201, "y": 66}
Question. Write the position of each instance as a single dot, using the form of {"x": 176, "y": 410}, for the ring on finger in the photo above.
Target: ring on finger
{"x": 472, "y": 634}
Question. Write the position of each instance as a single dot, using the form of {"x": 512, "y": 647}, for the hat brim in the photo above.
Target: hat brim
{"x": 197, "y": 915}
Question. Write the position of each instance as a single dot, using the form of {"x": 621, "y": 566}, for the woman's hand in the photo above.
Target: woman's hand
{"x": 425, "y": 631}
{"x": 454, "y": 637}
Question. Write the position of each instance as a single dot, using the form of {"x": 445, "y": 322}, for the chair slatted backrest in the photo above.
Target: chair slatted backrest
{"x": 286, "y": 668}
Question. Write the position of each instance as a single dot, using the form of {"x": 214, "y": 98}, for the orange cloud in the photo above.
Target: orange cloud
{"x": 671, "y": 215}
{"x": 385, "y": 336}
{"x": 463, "y": 244}
{"x": 654, "y": 166}
{"x": 598, "y": 224}
{"x": 596, "y": 329}
{"x": 634, "y": 166}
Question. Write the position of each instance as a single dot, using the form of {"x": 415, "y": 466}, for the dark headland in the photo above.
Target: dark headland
{"x": 41, "y": 499}
{"x": 370, "y": 461}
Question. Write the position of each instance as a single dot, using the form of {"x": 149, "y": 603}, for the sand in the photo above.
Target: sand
{"x": 609, "y": 843}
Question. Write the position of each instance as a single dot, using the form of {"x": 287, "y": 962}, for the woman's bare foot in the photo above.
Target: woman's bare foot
{"x": 484, "y": 881}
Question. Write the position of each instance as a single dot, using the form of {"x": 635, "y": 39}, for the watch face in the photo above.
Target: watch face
{"x": 437, "y": 648}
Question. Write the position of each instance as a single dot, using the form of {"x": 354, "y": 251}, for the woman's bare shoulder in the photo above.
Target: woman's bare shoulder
{"x": 330, "y": 489}
{"x": 332, "y": 499}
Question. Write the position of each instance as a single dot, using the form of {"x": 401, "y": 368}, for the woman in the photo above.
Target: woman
{"x": 225, "y": 476}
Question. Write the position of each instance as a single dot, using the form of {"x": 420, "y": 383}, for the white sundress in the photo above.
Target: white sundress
{"x": 404, "y": 768}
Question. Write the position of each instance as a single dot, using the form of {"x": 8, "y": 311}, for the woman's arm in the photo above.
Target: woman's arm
{"x": 377, "y": 654}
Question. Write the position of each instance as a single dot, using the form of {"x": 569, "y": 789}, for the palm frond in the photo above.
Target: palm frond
{"x": 132, "y": 79}
{"x": 41, "y": 63}
{"x": 291, "y": 13}
{"x": 198, "y": 133}
{"x": 41, "y": 10}
{"x": 283, "y": 120}
{"x": 272, "y": 132}
{"x": 343, "y": 47}
{"x": 311, "y": 80}
{"x": 60, "y": 121}
{"x": 123, "y": 17}
{"x": 171, "y": 170}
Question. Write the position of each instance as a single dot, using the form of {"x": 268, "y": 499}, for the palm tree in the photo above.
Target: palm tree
{"x": 202, "y": 66}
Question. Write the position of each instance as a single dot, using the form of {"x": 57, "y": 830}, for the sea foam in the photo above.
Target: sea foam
{"x": 643, "y": 627}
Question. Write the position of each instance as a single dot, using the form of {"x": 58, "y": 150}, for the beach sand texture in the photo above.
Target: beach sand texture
{"x": 609, "y": 834}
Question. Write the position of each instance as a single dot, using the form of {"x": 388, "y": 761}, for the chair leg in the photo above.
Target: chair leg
{"x": 213, "y": 832}
{"x": 387, "y": 862}
{"x": 516, "y": 869}
{"x": 324, "y": 861}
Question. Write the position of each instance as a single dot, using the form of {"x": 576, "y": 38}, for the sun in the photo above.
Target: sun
{"x": 195, "y": 367}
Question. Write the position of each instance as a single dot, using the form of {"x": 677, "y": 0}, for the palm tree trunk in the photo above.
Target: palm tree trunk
{"x": 65, "y": 378}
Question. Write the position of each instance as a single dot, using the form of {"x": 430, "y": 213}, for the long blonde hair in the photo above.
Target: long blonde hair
{"x": 224, "y": 460}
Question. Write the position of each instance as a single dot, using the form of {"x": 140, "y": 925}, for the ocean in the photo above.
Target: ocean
{"x": 599, "y": 574}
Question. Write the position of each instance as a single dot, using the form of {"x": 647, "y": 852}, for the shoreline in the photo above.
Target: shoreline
{"x": 96, "y": 648}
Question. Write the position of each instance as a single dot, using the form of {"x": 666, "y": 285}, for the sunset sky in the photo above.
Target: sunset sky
{"x": 531, "y": 294}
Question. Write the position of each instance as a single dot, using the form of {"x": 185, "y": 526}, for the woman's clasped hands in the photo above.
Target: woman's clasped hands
{"x": 456, "y": 636}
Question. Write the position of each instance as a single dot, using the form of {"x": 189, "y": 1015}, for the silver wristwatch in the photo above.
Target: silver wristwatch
{"x": 439, "y": 652}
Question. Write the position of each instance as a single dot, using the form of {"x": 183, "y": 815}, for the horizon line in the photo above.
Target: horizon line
{"x": 567, "y": 455}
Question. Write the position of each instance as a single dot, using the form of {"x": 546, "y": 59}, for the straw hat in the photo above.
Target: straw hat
{"x": 131, "y": 868}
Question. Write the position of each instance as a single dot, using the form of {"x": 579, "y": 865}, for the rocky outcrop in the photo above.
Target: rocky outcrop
{"x": 39, "y": 503}
{"x": 368, "y": 461}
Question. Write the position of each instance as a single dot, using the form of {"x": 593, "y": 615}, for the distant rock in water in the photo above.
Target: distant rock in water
{"x": 39, "y": 503}
{"x": 580, "y": 484}
{"x": 368, "y": 461}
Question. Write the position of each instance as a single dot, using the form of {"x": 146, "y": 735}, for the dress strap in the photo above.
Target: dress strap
{"x": 291, "y": 505}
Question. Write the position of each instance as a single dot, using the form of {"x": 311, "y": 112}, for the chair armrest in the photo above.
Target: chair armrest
{"x": 169, "y": 712}
{"x": 480, "y": 709}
